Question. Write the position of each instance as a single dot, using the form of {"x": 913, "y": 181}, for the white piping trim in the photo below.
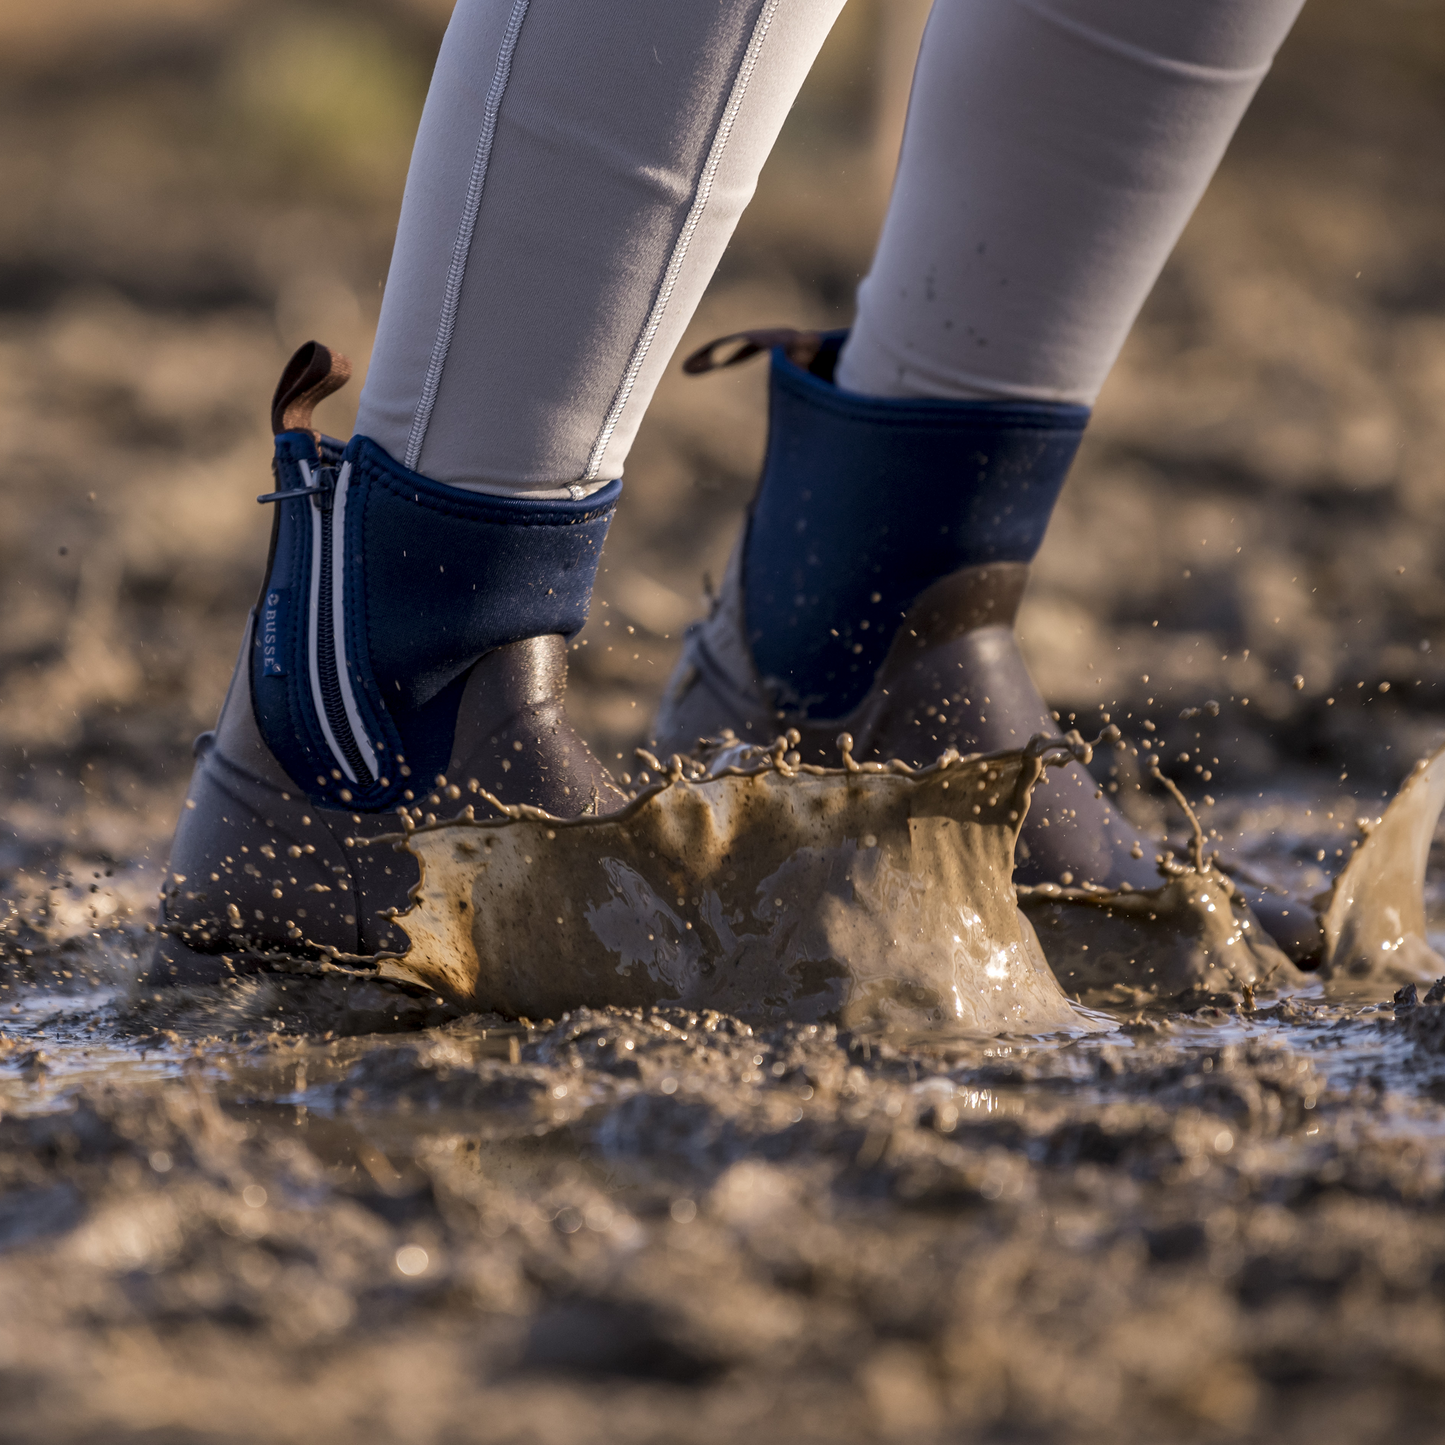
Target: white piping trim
{"x": 313, "y": 612}
{"x": 466, "y": 229}
{"x": 684, "y": 239}
{"x": 338, "y": 619}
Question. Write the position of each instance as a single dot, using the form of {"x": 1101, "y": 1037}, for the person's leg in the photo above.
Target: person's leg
{"x": 1053, "y": 152}
{"x": 578, "y": 171}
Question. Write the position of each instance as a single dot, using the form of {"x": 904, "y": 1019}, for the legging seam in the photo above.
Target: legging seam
{"x": 684, "y": 240}
{"x": 1186, "y": 69}
{"x": 466, "y": 230}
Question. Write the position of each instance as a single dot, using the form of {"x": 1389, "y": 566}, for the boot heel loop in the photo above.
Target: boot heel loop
{"x": 800, "y": 347}
{"x": 313, "y": 373}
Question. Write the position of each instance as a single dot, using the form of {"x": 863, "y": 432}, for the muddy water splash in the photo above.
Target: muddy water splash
{"x": 871, "y": 894}
{"x": 1188, "y": 942}
{"x": 1193, "y": 940}
{"x": 245, "y": 1201}
{"x": 1374, "y": 914}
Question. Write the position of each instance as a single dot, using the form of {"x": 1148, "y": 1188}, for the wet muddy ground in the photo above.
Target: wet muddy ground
{"x": 310, "y": 1208}
{"x": 326, "y": 1208}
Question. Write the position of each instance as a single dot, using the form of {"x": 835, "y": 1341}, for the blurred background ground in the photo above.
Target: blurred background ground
{"x": 193, "y": 187}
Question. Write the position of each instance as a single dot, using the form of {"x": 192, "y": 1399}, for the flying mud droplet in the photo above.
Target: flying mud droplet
{"x": 412, "y": 1260}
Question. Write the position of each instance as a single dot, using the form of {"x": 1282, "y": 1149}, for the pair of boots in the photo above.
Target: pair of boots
{"x": 409, "y": 643}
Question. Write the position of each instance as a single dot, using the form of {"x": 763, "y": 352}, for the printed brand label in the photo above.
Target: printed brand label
{"x": 271, "y": 633}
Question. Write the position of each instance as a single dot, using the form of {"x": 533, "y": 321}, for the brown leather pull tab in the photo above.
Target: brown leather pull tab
{"x": 801, "y": 348}
{"x": 312, "y": 374}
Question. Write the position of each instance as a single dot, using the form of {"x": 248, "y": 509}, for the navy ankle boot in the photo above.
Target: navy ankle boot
{"x": 874, "y": 591}
{"x": 408, "y": 648}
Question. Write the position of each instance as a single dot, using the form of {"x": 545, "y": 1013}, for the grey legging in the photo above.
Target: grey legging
{"x": 581, "y": 165}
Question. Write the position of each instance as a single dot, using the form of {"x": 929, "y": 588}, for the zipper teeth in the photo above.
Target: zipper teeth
{"x": 331, "y": 698}
{"x": 319, "y": 522}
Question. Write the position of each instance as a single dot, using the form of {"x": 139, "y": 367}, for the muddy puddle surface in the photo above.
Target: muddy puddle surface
{"x": 327, "y": 1205}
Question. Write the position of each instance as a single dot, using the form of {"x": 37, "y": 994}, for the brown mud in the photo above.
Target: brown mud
{"x": 328, "y": 1207}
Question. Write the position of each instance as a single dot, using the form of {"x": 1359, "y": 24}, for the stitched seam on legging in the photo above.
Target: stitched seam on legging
{"x": 466, "y": 229}
{"x": 1210, "y": 74}
{"x": 684, "y": 240}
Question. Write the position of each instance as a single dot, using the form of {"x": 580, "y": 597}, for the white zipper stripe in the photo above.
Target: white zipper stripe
{"x": 338, "y": 619}
{"x": 312, "y": 614}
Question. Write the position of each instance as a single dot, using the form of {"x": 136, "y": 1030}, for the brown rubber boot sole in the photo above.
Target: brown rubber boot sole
{"x": 258, "y": 875}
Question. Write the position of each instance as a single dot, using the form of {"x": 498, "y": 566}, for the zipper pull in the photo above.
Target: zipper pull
{"x": 323, "y": 488}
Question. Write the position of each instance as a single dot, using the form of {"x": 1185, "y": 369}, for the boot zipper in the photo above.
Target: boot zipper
{"x": 330, "y": 686}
